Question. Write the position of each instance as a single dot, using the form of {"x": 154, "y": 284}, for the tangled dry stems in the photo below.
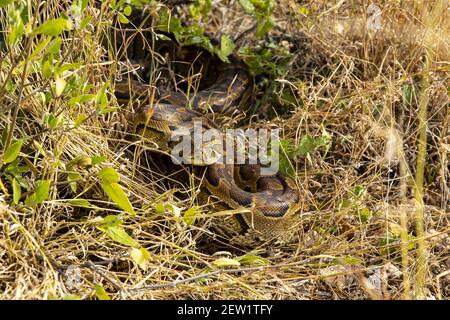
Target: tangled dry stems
{"x": 345, "y": 80}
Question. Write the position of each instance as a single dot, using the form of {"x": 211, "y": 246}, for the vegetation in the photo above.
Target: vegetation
{"x": 363, "y": 103}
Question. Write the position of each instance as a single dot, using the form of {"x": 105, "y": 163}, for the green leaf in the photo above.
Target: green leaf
{"x": 83, "y": 98}
{"x": 97, "y": 159}
{"x": 389, "y": 244}
{"x": 68, "y": 66}
{"x": 160, "y": 36}
{"x": 111, "y": 221}
{"x": 73, "y": 177}
{"x": 42, "y": 191}
{"x": 5, "y": 2}
{"x": 17, "y": 28}
{"x": 118, "y": 234}
{"x": 100, "y": 98}
{"x": 83, "y": 5}
{"x": 286, "y": 167}
{"x": 80, "y": 203}
{"x": 189, "y": 216}
{"x": 226, "y": 48}
{"x": 13, "y": 151}
{"x": 17, "y": 192}
{"x": 140, "y": 257}
{"x": 110, "y": 185}
{"x": 309, "y": 144}
{"x": 412, "y": 241}
{"x": 252, "y": 260}
{"x": 122, "y": 18}
{"x": 271, "y": 59}
{"x": 9, "y": 87}
{"x": 108, "y": 175}
{"x": 100, "y": 292}
{"x": 38, "y": 49}
{"x": 325, "y": 141}
{"x": 108, "y": 110}
{"x": 364, "y": 214}
{"x": 407, "y": 94}
{"x": 358, "y": 192}
{"x": 31, "y": 200}
{"x": 47, "y": 70}
{"x": 304, "y": 11}
{"x": 55, "y": 46}
{"x": 82, "y": 161}
{"x": 85, "y": 22}
{"x": 116, "y": 193}
{"x": 79, "y": 120}
{"x": 160, "y": 207}
{"x": 60, "y": 85}
{"x": 14, "y": 171}
{"x": 169, "y": 23}
{"x": 248, "y": 7}
{"x": 173, "y": 208}
{"x": 264, "y": 26}
{"x": 127, "y": 11}
{"x": 199, "y": 9}
{"x": 348, "y": 260}
{"x": 395, "y": 229}
{"x": 52, "y": 121}
{"x": 54, "y": 27}
{"x": 226, "y": 262}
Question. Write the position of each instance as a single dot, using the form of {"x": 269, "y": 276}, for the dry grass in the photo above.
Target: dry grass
{"x": 344, "y": 79}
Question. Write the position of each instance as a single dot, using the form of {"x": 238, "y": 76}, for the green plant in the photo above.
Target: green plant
{"x": 262, "y": 10}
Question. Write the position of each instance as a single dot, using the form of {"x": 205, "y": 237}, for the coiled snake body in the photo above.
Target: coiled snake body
{"x": 268, "y": 201}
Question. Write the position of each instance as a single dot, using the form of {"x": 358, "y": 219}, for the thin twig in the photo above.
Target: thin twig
{"x": 191, "y": 279}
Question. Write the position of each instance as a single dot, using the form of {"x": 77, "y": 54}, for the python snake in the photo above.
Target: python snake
{"x": 270, "y": 201}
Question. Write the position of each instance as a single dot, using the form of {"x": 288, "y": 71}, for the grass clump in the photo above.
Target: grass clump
{"x": 365, "y": 122}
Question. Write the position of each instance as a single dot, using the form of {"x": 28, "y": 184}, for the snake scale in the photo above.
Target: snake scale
{"x": 268, "y": 201}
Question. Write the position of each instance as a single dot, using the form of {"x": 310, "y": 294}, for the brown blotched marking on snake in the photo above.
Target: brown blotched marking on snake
{"x": 270, "y": 200}
{"x": 227, "y": 94}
